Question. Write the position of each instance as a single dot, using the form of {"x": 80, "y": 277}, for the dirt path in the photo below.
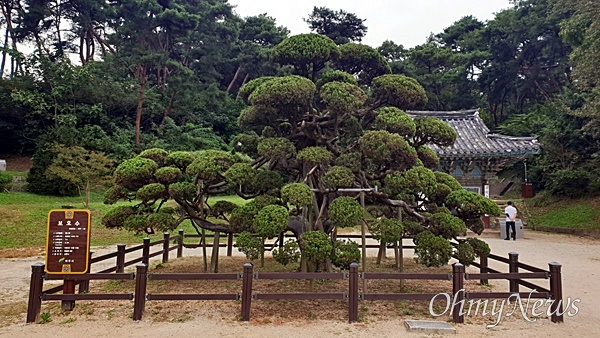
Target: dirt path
{"x": 580, "y": 259}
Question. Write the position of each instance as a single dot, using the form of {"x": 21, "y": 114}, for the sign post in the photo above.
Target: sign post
{"x": 68, "y": 246}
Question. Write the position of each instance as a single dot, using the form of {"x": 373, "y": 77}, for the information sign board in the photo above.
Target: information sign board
{"x": 68, "y": 241}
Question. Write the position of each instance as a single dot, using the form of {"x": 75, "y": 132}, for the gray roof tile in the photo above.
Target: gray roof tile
{"x": 474, "y": 138}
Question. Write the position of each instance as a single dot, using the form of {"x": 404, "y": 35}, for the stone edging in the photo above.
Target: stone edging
{"x": 579, "y": 232}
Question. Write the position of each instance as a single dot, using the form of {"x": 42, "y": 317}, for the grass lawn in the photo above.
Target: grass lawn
{"x": 572, "y": 214}
{"x": 24, "y": 216}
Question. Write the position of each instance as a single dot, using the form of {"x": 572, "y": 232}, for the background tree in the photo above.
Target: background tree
{"x": 342, "y": 27}
{"x": 83, "y": 168}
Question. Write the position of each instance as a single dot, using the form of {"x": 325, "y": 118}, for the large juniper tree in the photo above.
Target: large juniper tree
{"x": 304, "y": 140}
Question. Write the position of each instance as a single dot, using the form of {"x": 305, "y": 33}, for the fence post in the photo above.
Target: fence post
{"x": 513, "y": 267}
{"x": 483, "y": 262}
{"x": 180, "y": 244}
{"x": 556, "y": 292}
{"x": 165, "y": 257}
{"x": 84, "y": 285}
{"x": 36, "y": 285}
{"x": 68, "y": 289}
{"x": 246, "y": 291}
{"x": 120, "y": 258}
{"x": 139, "y": 301}
{"x": 229, "y": 244}
{"x": 146, "y": 251}
{"x": 458, "y": 272}
{"x": 353, "y": 293}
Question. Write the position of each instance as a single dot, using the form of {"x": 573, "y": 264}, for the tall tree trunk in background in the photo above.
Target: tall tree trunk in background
{"x": 169, "y": 109}
{"x": 141, "y": 73}
{"x": 235, "y": 76}
{"x": 4, "y": 52}
{"x": 243, "y": 83}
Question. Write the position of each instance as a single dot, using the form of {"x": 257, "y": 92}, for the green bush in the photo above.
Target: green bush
{"x": 345, "y": 212}
{"x": 316, "y": 246}
{"x": 271, "y": 220}
{"x": 250, "y": 245}
{"x": 571, "y": 183}
{"x": 5, "y": 180}
{"x": 135, "y": 173}
{"x": 297, "y": 194}
{"x": 289, "y": 253}
{"x": 480, "y": 248}
{"x": 386, "y": 230}
{"x": 168, "y": 175}
{"x": 345, "y": 253}
{"x": 432, "y": 250}
{"x": 465, "y": 253}
{"x": 117, "y": 216}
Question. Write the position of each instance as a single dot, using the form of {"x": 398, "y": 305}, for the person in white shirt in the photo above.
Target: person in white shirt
{"x": 511, "y": 215}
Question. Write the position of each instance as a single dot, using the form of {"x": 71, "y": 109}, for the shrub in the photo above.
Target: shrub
{"x": 5, "y": 180}
{"x": 271, "y": 220}
{"x": 571, "y": 183}
{"x": 250, "y": 245}
{"x": 289, "y": 253}
{"x": 316, "y": 246}
{"x": 345, "y": 211}
{"x": 345, "y": 253}
{"x": 432, "y": 250}
{"x": 386, "y": 230}
{"x": 297, "y": 194}
{"x": 465, "y": 253}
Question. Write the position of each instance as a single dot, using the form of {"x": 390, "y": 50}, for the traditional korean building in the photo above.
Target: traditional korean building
{"x": 478, "y": 155}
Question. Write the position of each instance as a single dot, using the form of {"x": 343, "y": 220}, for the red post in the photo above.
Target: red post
{"x": 36, "y": 285}
{"x": 165, "y": 255}
{"x": 556, "y": 292}
{"x": 458, "y": 272}
{"x": 246, "y": 291}
{"x": 513, "y": 267}
{"x": 139, "y": 300}
{"x": 353, "y": 293}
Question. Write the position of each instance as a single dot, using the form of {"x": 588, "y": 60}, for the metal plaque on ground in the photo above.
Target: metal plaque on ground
{"x": 68, "y": 241}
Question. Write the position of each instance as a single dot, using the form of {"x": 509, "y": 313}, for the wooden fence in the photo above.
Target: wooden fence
{"x": 248, "y": 276}
{"x": 68, "y": 297}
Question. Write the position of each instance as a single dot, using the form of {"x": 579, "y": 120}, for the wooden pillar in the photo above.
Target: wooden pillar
{"x": 139, "y": 301}
{"x": 353, "y": 293}
{"x": 513, "y": 267}
{"x": 36, "y": 285}
{"x": 180, "y": 244}
{"x": 146, "y": 251}
{"x": 165, "y": 254}
{"x": 556, "y": 292}
{"x": 120, "y": 258}
{"x": 246, "y": 291}
{"x": 458, "y": 272}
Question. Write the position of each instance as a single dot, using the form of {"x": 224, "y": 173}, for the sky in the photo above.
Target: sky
{"x": 405, "y": 22}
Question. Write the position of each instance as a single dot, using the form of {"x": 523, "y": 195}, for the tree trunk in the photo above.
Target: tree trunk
{"x": 168, "y": 110}
{"x": 87, "y": 195}
{"x": 235, "y": 76}
{"x": 138, "y": 117}
{"x": 214, "y": 259}
{"x": 203, "y": 239}
{"x": 4, "y": 52}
